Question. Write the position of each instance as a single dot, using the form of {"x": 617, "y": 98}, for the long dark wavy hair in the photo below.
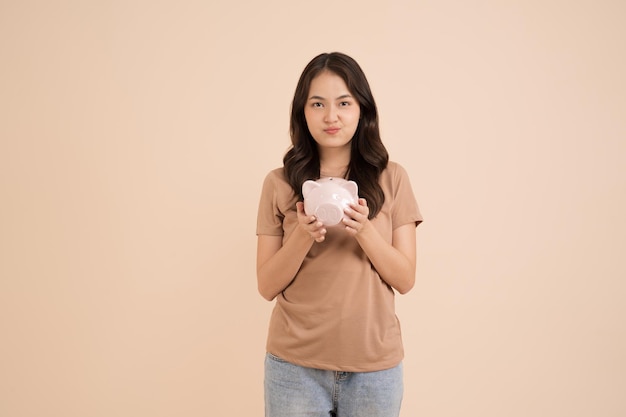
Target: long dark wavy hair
{"x": 368, "y": 158}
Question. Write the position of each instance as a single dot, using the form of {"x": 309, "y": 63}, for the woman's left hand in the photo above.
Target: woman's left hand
{"x": 356, "y": 217}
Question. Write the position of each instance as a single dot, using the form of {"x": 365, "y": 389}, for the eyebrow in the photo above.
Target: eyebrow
{"x": 338, "y": 98}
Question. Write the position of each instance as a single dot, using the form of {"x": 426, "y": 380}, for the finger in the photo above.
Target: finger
{"x": 321, "y": 236}
{"x": 301, "y": 212}
{"x": 316, "y": 225}
{"x": 351, "y": 223}
{"x": 302, "y": 216}
{"x": 356, "y": 212}
{"x": 360, "y": 206}
{"x": 360, "y": 212}
{"x": 319, "y": 231}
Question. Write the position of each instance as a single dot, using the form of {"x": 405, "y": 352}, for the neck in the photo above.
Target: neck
{"x": 334, "y": 162}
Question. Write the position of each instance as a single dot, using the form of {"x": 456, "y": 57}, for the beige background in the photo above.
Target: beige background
{"x": 134, "y": 139}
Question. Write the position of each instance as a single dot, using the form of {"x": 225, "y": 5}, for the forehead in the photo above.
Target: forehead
{"x": 328, "y": 84}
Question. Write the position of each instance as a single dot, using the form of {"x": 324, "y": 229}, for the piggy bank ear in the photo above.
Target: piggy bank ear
{"x": 309, "y": 186}
{"x": 352, "y": 188}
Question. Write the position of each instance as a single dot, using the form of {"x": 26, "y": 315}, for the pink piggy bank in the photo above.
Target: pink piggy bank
{"x": 327, "y": 197}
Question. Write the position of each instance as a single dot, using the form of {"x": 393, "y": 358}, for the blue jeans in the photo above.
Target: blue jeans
{"x": 295, "y": 391}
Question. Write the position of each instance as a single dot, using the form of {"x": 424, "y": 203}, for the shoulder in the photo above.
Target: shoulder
{"x": 275, "y": 178}
{"x": 395, "y": 181}
{"x": 276, "y": 174}
{"x": 394, "y": 172}
{"x": 393, "y": 166}
{"x": 276, "y": 184}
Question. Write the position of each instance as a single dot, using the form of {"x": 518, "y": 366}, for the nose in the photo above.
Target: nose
{"x": 331, "y": 114}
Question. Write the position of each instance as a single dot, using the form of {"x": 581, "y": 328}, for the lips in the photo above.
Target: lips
{"x": 332, "y": 130}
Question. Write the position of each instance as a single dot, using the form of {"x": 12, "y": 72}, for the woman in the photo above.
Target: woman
{"x": 334, "y": 345}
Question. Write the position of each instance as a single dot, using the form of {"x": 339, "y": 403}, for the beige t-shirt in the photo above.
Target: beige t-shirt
{"x": 337, "y": 313}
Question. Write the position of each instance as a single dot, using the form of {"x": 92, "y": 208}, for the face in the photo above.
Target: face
{"x": 331, "y": 112}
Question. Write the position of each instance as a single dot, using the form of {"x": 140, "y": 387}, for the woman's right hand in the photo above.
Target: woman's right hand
{"x": 310, "y": 224}
{"x": 278, "y": 262}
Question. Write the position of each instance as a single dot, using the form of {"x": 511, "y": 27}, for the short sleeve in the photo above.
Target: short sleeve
{"x": 405, "y": 208}
{"x": 269, "y": 217}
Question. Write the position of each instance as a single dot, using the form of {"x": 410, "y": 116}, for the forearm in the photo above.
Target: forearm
{"x": 277, "y": 272}
{"x": 394, "y": 267}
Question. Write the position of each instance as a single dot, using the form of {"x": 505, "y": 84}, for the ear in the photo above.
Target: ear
{"x": 309, "y": 186}
{"x": 352, "y": 188}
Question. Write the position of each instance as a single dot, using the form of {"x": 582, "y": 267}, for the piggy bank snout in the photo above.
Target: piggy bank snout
{"x": 329, "y": 213}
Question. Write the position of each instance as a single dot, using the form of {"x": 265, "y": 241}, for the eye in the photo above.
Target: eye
{"x": 344, "y": 103}
{"x": 317, "y": 104}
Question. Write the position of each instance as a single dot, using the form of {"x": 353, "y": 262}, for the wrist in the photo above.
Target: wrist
{"x": 366, "y": 231}
{"x": 304, "y": 234}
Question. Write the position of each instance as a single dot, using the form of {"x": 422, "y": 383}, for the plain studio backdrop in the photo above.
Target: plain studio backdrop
{"x": 134, "y": 138}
